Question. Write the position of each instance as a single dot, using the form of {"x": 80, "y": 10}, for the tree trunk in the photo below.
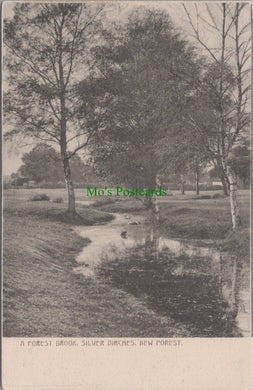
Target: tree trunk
{"x": 149, "y": 236}
{"x": 182, "y": 183}
{"x": 63, "y": 124}
{"x": 147, "y": 202}
{"x": 224, "y": 185}
{"x": 221, "y": 167}
{"x": 151, "y": 204}
{"x": 152, "y": 242}
{"x": 236, "y": 221}
{"x": 155, "y": 209}
{"x": 69, "y": 186}
{"x": 197, "y": 180}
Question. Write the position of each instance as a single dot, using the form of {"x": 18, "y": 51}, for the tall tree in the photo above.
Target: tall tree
{"x": 143, "y": 90}
{"x": 203, "y": 119}
{"x": 181, "y": 151}
{"x": 47, "y": 54}
{"x": 229, "y": 87}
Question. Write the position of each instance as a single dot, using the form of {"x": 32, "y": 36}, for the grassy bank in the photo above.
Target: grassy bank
{"x": 209, "y": 219}
{"x": 55, "y": 212}
{"x": 192, "y": 217}
{"x": 43, "y": 297}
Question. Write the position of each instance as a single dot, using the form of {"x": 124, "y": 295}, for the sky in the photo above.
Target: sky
{"x": 12, "y": 152}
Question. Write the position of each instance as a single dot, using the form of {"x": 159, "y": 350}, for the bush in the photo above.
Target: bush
{"x": 102, "y": 202}
{"x": 51, "y": 185}
{"x": 217, "y": 196}
{"x": 192, "y": 187}
{"x": 40, "y": 197}
{"x": 58, "y": 200}
{"x": 196, "y": 197}
{"x": 7, "y": 186}
{"x": 203, "y": 187}
{"x": 210, "y": 187}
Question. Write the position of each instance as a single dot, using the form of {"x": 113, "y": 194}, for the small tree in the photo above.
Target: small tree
{"x": 43, "y": 163}
{"x": 240, "y": 162}
{"x": 47, "y": 53}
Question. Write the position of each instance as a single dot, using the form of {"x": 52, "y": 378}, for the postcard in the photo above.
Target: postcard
{"x": 126, "y": 195}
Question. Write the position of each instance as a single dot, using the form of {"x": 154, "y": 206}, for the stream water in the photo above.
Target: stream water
{"x": 199, "y": 282}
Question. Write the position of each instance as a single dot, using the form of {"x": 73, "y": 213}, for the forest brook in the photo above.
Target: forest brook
{"x": 145, "y": 277}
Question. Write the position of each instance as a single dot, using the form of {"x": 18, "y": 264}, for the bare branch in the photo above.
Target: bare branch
{"x": 198, "y": 37}
{"x": 80, "y": 146}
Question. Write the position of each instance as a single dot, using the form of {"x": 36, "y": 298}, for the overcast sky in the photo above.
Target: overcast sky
{"x": 12, "y": 153}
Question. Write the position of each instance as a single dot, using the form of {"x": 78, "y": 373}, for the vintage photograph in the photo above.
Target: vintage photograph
{"x": 126, "y": 169}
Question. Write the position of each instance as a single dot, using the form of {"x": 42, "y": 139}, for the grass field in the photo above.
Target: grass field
{"x": 43, "y": 297}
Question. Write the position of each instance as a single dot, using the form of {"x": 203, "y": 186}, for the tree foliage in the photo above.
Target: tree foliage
{"x": 147, "y": 74}
{"x": 48, "y": 53}
{"x": 43, "y": 163}
{"x": 220, "y": 113}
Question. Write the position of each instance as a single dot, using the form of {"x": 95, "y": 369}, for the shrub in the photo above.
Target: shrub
{"x": 217, "y": 196}
{"x": 40, "y": 197}
{"x": 51, "y": 185}
{"x": 197, "y": 197}
{"x": 192, "y": 187}
{"x": 58, "y": 200}
{"x": 103, "y": 201}
{"x": 203, "y": 187}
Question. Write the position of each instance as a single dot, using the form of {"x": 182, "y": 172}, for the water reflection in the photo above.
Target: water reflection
{"x": 198, "y": 286}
